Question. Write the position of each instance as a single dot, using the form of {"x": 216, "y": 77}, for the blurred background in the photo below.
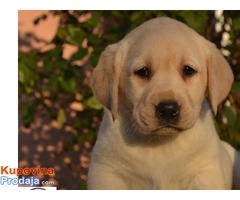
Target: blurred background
{"x": 57, "y": 50}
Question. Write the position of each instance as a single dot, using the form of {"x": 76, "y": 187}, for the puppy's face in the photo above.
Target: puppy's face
{"x": 165, "y": 81}
{"x": 157, "y": 77}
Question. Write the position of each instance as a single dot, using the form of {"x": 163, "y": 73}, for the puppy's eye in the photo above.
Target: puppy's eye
{"x": 188, "y": 71}
{"x": 143, "y": 72}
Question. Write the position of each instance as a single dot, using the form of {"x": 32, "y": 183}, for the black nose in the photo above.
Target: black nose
{"x": 168, "y": 110}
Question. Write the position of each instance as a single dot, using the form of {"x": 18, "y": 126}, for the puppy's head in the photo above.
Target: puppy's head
{"x": 157, "y": 78}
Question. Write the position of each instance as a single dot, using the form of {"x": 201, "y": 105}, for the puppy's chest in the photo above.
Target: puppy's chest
{"x": 151, "y": 169}
{"x": 147, "y": 167}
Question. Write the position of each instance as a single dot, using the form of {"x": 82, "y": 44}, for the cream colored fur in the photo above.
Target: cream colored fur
{"x": 136, "y": 149}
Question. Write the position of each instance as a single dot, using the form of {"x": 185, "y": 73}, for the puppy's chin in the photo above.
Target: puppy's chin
{"x": 164, "y": 130}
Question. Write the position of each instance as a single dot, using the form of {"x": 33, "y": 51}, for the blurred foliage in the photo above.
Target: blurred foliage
{"x": 49, "y": 82}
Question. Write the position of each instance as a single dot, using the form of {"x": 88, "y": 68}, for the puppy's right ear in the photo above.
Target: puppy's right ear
{"x": 105, "y": 78}
{"x": 220, "y": 77}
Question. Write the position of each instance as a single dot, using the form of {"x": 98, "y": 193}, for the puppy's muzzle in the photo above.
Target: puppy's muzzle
{"x": 168, "y": 111}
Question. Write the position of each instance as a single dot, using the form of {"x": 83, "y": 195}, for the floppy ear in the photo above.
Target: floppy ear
{"x": 220, "y": 77}
{"x": 105, "y": 78}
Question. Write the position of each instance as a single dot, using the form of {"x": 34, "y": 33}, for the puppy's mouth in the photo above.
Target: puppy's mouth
{"x": 164, "y": 128}
{"x": 167, "y": 128}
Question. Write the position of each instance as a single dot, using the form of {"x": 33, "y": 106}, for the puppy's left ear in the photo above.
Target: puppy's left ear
{"x": 220, "y": 77}
{"x": 105, "y": 77}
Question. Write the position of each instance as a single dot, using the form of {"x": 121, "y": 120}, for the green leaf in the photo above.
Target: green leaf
{"x": 76, "y": 35}
{"x": 68, "y": 85}
{"x": 27, "y": 114}
{"x": 196, "y": 20}
{"x": 25, "y": 77}
{"x": 61, "y": 118}
{"x": 24, "y": 74}
{"x": 236, "y": 87}
{"x": 92, "y": 103}
{"x": 136, "y": 16}
{"x": 231, "y": 115}
{"x": 236, "y": 23}
{"x": 53, "y": 82}
{"x": 93, "y": 39}
{"x": 94, "y": 59}
{"x": 93, "y": 21}
{"x": 62, "y": 33}
{"x": 79, "y": 54}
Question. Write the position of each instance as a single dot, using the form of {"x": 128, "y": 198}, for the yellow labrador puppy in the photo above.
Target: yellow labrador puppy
{"x": 157, "y": 131}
